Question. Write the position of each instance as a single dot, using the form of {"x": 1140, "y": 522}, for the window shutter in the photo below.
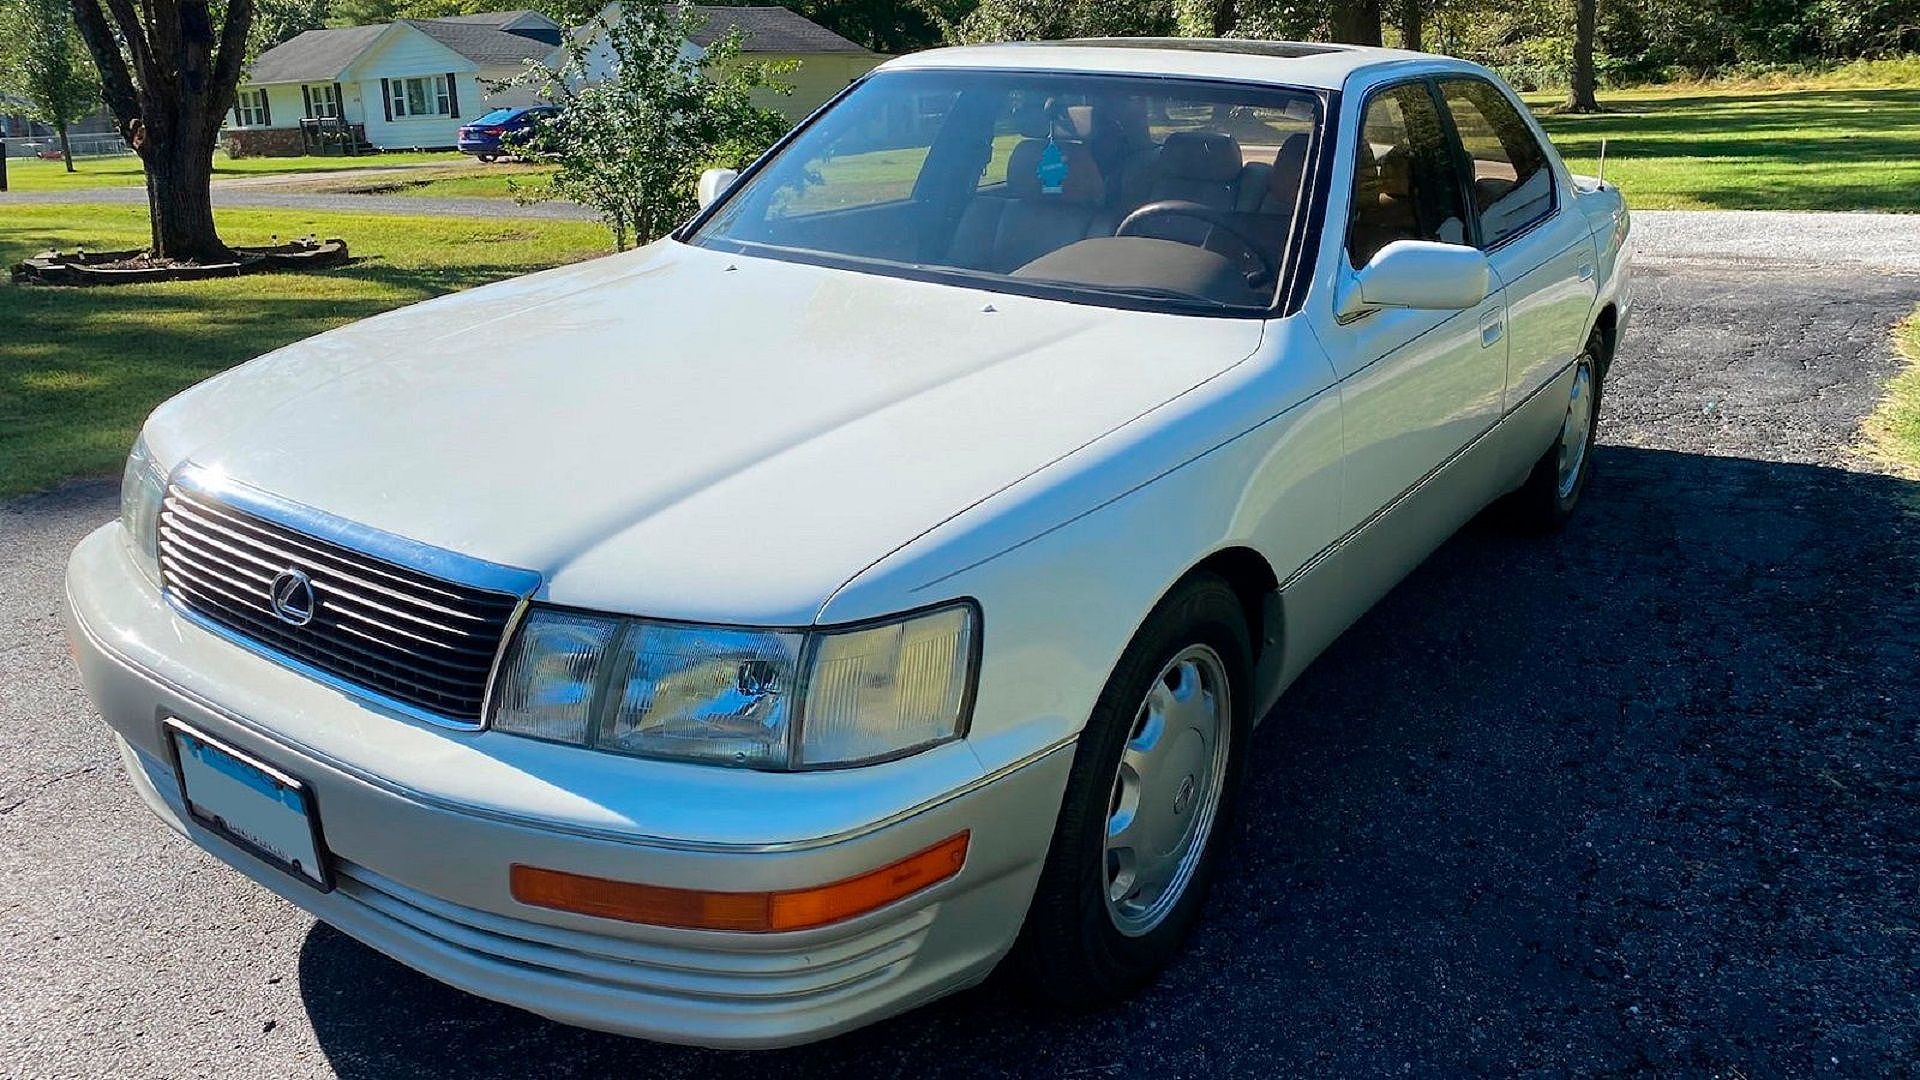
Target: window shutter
{"x": 339, "y": 104}
{"x": 386, "y": 100}
{"x": 266, "y": 110}
{"x": 453, "y": 96}
{"x": 306, "y": 98}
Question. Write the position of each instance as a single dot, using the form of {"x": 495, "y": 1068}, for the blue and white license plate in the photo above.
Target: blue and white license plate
{"x": 252, "y": 804}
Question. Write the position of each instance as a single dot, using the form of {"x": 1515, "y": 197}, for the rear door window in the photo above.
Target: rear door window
{"x": 1512, "y": 183}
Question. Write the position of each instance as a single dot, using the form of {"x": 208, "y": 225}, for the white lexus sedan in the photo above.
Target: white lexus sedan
{"x": 749, "y": 636}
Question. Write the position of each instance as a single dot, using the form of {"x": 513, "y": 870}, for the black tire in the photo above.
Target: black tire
{"x": 487, "y": 159}
{"x": 1542, "y": 504}
{"x": 1070, "y": 953}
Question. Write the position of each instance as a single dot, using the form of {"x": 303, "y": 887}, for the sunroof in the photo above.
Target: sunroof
{"x": 1242, "y": 46}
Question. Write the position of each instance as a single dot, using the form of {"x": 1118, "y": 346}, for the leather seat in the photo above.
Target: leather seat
{"x": 1001, "y": 233}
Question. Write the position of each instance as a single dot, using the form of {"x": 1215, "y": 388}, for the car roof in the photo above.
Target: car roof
{"x": 1293, "y": 63}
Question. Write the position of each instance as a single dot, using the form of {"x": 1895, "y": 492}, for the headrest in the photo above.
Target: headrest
{"x": 1200, "y": 155}
{"x": 1081, "y": 184}
{"x": 1396, "y": 172}
{"x": 1289, "y": 163}
{"x": 1076, "y": 122}
{"x": 1033, "y": 123}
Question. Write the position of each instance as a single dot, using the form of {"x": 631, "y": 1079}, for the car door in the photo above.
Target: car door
{"x": 1539, "y": 249}
{"x": 1418, "y": 388}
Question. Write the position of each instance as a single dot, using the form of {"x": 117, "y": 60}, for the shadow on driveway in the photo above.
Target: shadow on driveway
{"x": 1639, "y": 796}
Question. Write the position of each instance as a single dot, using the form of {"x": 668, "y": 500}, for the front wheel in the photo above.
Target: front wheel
{"x": 1152, "y": 782}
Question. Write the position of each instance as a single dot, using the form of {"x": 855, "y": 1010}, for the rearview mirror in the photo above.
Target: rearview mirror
{"x": 1418, "y": 274}
{"x": 713, "y": 184}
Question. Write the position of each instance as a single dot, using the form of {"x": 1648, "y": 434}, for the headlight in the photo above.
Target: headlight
{"x": 763, "y": 699}
{"x": 142, "y": 486}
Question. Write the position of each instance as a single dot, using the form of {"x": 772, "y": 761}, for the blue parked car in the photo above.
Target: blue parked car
{"x": 481, "y": 138}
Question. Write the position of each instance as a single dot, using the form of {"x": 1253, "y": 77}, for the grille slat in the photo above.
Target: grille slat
{"x": 416, "y": 638}
{"x": 453, "y": 637}
{"x": 265, "y": 539}
{"x": 264, "y": 627}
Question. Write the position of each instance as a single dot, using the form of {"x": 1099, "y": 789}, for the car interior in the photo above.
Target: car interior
{"x": 1116, "y": 191}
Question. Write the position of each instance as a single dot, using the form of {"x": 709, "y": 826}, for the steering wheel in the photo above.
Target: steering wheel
{"x": 1215, "y": 218}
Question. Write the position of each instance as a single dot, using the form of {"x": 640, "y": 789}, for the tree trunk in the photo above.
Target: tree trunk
{"x": 1411, "y": 26}
{"x": 1580, "y": 88}
{"x": 1356, "y": 22}
{"x": 66, "y": 148}
{"x": 180, "y": 201}
{"x": 1226, "y": 16}
{"x": 169, "y": 80}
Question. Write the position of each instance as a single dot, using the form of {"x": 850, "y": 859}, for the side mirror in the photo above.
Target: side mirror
{"x": 713, "y": 184}
{"x": 1418, "y": 274}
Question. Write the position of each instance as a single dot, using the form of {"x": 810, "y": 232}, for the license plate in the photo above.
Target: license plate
{"x": 251, "y": 804}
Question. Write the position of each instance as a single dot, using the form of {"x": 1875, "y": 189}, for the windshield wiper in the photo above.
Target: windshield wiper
{"x": 1145, "y": 292}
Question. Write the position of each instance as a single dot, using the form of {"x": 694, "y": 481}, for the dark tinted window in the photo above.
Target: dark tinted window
{"x": 1512, "y": 185}
{"x": 1405, "y": 186}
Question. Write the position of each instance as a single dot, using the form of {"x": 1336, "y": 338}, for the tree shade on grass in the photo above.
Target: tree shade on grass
{"x": 81, "y": 368}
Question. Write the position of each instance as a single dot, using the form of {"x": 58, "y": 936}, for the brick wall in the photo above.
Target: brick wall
{"x": 271, "y": 142}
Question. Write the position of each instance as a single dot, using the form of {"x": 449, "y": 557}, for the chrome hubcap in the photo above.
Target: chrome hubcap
{"x": 1166, "y": 792}
{"x": 1576, "y": 427}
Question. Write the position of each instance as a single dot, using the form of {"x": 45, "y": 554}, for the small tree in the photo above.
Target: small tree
{"x": 632, "y": 144}
{"x": 170, "y": 81}
{"x": 42, "y": 63}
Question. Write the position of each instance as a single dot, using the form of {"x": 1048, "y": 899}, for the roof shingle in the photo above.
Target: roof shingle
{"x": 770, "y": 30}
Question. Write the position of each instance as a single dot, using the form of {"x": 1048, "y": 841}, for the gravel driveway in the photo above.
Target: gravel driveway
{"x": 1638, "y": 798}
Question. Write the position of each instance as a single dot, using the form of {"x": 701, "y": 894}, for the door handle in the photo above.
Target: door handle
{"x": 1490, "y": 333}
{"x": 1586, "y": 271}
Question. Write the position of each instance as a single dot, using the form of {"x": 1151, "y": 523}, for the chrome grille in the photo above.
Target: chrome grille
{"x": 414, "y": 638}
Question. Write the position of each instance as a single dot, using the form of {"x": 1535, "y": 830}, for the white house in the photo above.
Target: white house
{"x": 407, "y": 84}
{"x": 411, "y": 84}
{"x": 827, "y": 61}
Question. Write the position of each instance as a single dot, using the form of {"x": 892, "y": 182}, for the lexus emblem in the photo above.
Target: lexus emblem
{"x": 291, "y": 597}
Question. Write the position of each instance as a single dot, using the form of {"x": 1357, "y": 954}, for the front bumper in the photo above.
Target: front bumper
{"x": 422, "y": 862}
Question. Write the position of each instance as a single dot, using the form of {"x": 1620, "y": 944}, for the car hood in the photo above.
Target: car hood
{"x": 686, "y": 433}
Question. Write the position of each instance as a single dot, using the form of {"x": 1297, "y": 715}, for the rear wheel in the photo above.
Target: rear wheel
{"x": 1152, "y": 782}
{"x": 1551, "y": 491}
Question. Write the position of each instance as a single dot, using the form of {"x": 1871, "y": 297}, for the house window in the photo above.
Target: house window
{"x": 421, "y": 97}
{"x": 323, "y": 101}
{"x": 250, "y": 109}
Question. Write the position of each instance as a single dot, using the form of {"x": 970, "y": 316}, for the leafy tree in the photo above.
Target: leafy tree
{"x": 372, "y": 12}
{"x": 275, "y": 21}
{"x": 888, "y": 26}
{"x": 633, "y": 144}
{"x": 43, "y": 64}
{"x": 169, "y": 76}
{"x": 1037, "y": 20}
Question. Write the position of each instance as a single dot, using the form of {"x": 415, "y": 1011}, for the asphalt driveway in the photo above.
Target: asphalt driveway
{"x": 1638, "y": 798}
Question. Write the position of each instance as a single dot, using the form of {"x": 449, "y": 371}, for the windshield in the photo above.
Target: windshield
{"x": 495, "y": 116}
{"x": 1121, "y": 190}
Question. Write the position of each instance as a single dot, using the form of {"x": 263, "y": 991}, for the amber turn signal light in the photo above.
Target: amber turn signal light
{"x": 754, "y": 912}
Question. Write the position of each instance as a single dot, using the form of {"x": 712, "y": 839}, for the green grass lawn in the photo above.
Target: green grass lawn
{"x": 123, "y": 170}
{"x": 1893, "y": 431}
{"x": 1822, "y": 143}
{"x": 81, "y": 368}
